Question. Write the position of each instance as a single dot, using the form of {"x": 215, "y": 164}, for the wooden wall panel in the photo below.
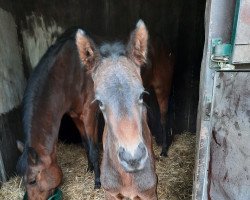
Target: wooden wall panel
{"x": 179, "y": 23}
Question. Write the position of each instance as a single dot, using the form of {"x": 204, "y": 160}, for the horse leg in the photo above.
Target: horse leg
{"x": 90, "y": 122}
{"x": 163, "y": 100}
{"x": 168, "y": 128}
{"x": 93, "y": 162}
{"x": 153, "y": 116}
{"x": 80, "y": 125}
{"x": 86, "y": 146}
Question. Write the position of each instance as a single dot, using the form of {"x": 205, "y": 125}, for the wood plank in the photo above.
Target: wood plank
{"x": 179, "y": 23}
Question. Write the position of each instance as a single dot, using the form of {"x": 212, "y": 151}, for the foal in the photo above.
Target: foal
{"x": 128, "y": 166}
{"x": 60, "y": 84}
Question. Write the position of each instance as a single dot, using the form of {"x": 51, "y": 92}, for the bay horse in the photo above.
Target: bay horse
{"x": 128, "y": 165}
{"x": 59, "y": 84}
{"x": 157, "y": 78}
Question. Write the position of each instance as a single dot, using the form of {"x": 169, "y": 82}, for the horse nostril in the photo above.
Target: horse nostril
{"x": 141, "y": 145}
{"x": 141, "y": 151}
{"x": 135, "y": 161}
{"x": 121, "y": 153}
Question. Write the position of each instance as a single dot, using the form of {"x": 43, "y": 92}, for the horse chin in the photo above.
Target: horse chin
{"x": 36, "y": 194}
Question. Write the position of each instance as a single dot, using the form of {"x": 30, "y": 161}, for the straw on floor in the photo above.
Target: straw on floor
{"x": 175, "y": 173}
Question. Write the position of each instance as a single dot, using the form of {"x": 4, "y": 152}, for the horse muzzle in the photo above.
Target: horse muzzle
{"x": 132, "y": 162}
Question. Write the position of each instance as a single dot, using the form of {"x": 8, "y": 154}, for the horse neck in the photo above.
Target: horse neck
{"x": 45, "y": 123}
{"x": 44, "y": 139}
{"x": 55, "y": 99}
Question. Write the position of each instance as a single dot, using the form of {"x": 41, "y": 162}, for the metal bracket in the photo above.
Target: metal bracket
{"x": 221, "y": 53}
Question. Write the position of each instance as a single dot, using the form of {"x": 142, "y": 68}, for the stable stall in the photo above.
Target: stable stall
{"x": 217, "y": 86}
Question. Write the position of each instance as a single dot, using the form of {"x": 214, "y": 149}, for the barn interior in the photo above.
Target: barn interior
{"x": 37, "y": 24}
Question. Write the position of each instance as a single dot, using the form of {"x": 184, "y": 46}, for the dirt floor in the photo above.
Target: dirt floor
{"x": 175, "y": 173}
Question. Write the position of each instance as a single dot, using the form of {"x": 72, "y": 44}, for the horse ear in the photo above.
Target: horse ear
{"x": 32, "y": 156}
{"x": 86, "y": 48}
{"x": 138, "y": 44}
{"x": 20, "y": 146}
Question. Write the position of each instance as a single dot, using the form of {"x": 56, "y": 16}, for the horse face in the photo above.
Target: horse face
{"x": 119, "y": 91}
{"x": 120, "y": 97}
{"x": 41, "y": 176}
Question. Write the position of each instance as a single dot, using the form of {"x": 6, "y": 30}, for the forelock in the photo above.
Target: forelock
{"x": 115, "y": 49}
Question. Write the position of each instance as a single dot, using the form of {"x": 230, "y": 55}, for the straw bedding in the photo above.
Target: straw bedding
{"x": 175, "y": 173}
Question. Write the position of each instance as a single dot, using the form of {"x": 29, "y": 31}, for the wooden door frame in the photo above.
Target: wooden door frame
{"x": 218, "y": 23}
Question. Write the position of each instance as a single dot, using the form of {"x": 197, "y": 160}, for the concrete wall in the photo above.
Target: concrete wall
{"x": 229, "y": 173}
{"x": 12, "y": 81}
{"x": 12, "y": 84}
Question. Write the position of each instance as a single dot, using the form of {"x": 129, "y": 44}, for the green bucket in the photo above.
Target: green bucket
{"x": 56, "y": 196}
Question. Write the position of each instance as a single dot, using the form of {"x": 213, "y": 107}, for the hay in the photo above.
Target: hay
{"x": 12, "y": 190}
{"x": 175, "y": 173}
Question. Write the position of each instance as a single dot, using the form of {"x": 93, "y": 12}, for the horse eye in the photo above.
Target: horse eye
{"x": 141, "y": 98}
{"x": 101, "y": 105}
{"x": 32, "y": 182}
